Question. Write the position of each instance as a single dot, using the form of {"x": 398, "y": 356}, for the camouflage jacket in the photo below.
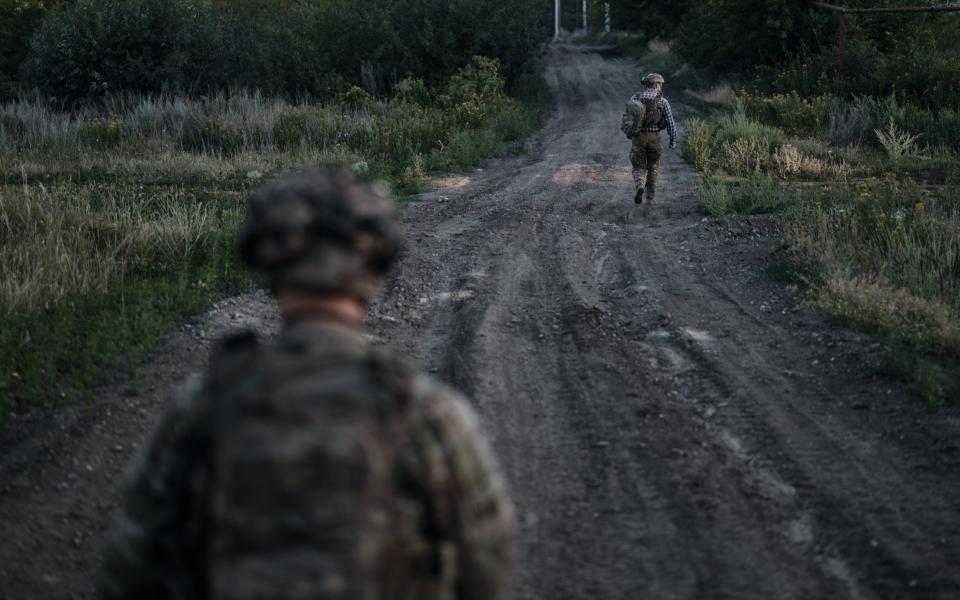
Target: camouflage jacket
{"x": 317, "y": 468}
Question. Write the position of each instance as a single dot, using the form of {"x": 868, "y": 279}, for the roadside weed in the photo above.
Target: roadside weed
{"x": 896, "y": 143}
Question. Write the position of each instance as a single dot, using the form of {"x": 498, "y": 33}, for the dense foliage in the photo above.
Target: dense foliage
{"x": 18, "y": 20}
{"x": 791, "y": 47}
{"x": 96, "y": 47}
{"x": 313, "y": 47}
{"x": 735, "y": 35}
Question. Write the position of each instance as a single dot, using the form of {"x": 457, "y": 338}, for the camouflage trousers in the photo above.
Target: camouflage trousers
{"x": 645, "y": 159}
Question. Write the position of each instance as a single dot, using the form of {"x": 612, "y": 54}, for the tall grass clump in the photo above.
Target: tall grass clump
{"x": 697, "y": 143}
{"x": 732, "y": 142}
{"x": 66, "y": 241}
{"x": 757, "y": 194}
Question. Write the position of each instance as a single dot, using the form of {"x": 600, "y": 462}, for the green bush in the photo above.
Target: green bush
{"x": 790, "y": 112}
{"x": 737, "y": 125}
{"x": 413, "y": 91}
{"x": 740, "y": 145}
{"x": 210, "y": 135}
{"x": 356, "y": 97}
{"x": 477, "y": 91}
{"x": 93, "y": 47}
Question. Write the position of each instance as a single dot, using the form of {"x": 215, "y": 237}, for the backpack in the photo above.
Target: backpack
{"x": 303, "y": 455}
{"x": 640, "y": 113}
{"x": 633, "y": 116}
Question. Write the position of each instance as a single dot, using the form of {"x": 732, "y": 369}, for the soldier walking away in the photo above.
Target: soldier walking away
{"x": 648, "y": 113}
{"x": 317, "y": 467}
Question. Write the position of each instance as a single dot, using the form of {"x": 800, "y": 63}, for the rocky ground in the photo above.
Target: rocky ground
{"x": 673, "y": 423}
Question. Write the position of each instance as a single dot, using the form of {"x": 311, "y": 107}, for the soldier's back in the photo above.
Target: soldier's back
{"x": 304, "y": 457}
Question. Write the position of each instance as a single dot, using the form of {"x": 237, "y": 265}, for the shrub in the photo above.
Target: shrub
{"x": 896, "y": 143}
{"x": 789, "y": 112}
{"x": 356, "y": 97}
{"x": 737, "y": 125}
{"x": 744, "y": 155}
{"x": 413, "y": 91}
{"x": 477, "y": 91}
{"x": 414, "y": 176}
{"x": 713, "y": 196}
{"x": 787, "y": 160}
{"x": 209, "y": 135}
{"x": 847, "y": 123}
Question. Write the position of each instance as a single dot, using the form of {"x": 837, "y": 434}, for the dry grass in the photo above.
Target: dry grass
{"x": 878, "y": 304}
{"x": 65, "y": 240}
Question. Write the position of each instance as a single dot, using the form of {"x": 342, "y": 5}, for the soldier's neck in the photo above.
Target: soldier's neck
{"x": 305, "y": 306}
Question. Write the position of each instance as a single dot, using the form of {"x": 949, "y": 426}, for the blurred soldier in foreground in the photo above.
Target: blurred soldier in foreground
{"x": 648, "y": 113}
{"x": 319, "y": 467}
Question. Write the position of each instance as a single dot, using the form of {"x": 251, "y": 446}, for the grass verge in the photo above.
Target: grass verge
{"x": 885, "y": 256}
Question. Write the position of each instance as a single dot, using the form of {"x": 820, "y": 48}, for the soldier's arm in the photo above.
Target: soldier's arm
{"x": 481, "y": 524}
{"x": 149, "y": 554}
{"x": 670, "y": 122}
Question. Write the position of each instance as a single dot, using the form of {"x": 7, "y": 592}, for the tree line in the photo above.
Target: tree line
{"x": 80, "y": 50}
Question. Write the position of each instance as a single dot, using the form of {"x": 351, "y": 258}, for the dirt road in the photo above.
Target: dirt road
{"x": 672, "y": 424}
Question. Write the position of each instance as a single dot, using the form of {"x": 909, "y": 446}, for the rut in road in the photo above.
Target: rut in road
{"x": 671, "y": 424}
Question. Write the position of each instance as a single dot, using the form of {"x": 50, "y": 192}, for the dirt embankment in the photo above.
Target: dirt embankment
{"x": 672, "y": 425}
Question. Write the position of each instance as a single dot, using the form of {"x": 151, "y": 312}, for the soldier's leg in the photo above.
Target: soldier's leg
{"x": 653, "y": 152}
{"x": 638, "y": 160}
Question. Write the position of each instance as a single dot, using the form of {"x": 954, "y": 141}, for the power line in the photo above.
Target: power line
{"x": 891, "y": 9}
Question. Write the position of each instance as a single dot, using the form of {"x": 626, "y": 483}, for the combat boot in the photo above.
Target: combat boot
{"x": 651, "y": 192}
{"x": 638, "y": 197}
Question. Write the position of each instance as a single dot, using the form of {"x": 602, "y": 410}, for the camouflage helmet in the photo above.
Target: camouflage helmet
{"x": 323, "y": 230}
{"x": 652, "y": 78}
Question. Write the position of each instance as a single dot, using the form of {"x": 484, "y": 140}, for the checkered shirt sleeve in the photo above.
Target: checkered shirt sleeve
{"x": 668, "y": 122}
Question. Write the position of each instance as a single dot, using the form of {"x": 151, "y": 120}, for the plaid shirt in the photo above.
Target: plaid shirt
{"x": 667, "y": 122}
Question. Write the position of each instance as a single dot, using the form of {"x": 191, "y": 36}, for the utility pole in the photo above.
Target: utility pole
{"x": 606, "y": 11}
{"x": 585, "y": 15}
{"x": 556, "y": 35}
